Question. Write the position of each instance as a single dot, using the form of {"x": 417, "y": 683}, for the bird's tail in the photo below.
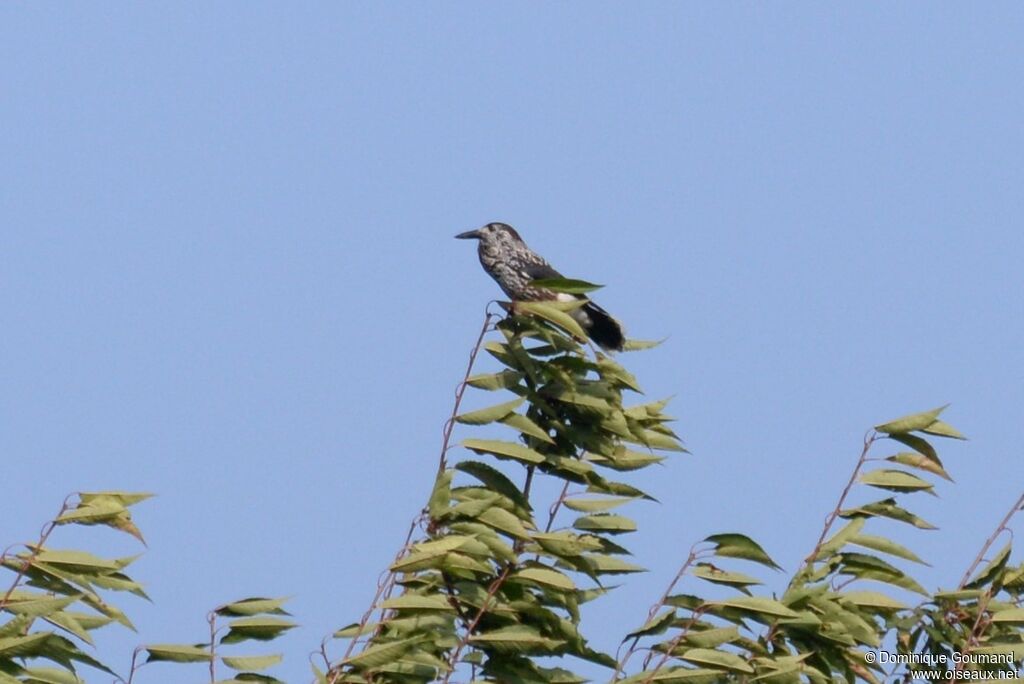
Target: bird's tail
{"x": 602, "y": 328}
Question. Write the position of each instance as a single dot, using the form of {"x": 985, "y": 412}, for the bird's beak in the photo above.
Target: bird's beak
{"x": 469, "y": 235}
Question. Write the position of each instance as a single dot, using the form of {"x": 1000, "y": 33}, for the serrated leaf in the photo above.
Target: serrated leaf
{"x": 546, "y": 577}
{"x": 756, "y": 604}
{"x": 254, "y": 606}
{"x": 418, "y": 602}
{"x": 379, "y": 655}
{"x": 177, "y": 653}
{"x": 840, "y": 538}
{"x": 726, "y": 661}
{"x": 496, "y": 480}
{"x": 895, "y": 480}
{"x": 252, "y": 662}
{"x": 441, "y": 495}
{"x": 991, "y": 569}
{"x": 504, "y": 521}
{"x": 886, "y": 545}
{"x": 258, "y": 628}
{"x": 872, "y": 599}
{"x": 518, "y": 421}
{"x": 49, "y": 675}
{"x": 510, "y": 450}
{"x": 41, "y": 606}
{"x": 917, "y": 460}
{"x": 517, "y": 636}
{"x": 715, "y": 575}
{"x": 911, "y": 423}
{"x": 596, "y": 505}
{"x": 735, "y": 545}
{"x": 490, "y": 414}
{"x": 491, "y": 382}
{"x": 887, "y": 508}
{"x": 605, "y": 522}
{"x": 656, "y": 625}
{"x": 940, "y": 429}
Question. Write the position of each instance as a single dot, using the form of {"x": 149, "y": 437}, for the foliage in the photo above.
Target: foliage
{"x": 489, "y": 593}
{"x": 530, "y": 524}
{"x": 56, "y": 600}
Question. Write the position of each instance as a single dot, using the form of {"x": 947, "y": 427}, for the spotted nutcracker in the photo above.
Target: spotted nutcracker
{"x": 508, "y": 260}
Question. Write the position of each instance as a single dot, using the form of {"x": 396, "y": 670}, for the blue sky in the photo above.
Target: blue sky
{"x": 229, "y": 277}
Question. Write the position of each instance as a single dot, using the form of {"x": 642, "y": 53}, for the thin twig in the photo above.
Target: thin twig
{"x": 44, "y": 534}
{"x": 991, "y": 540}
{"x": 697, "y": 613}
{"x": 460, "y": 390}
{"x": 212, "y": 620}
{"x": 694, "y": 554}
{"x": 869, "y": 439}
{"x": 387, "y": 583}
{"x": 980, "y": 621}
{"x": 491, "y": 591}
{"x": 555, "y": 507}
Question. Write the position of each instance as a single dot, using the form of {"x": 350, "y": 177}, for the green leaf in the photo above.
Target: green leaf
{"x": 895, "y": 480}
{"x": 546, "y": 577}
{"x": 604, "y": 522}
{"x": 711, "y": 638}
{"x": 840, "y": 538}
{"x": 516, "y": 637}
{"x": 417, "y": 602}
{"x": 603, "y": 564}
{"x": 379, "y": 655}
{"x": 501, "y": 449}
{"x": 23, "y": 646}
{"x": 656, "y": 625}
{"x": 177, "y": 653}
{"x": 503, "y": 521}
{"x": 490, "y": 414}
{"x": 871, "y": 599}
{"x": 917, "y": 460}
{"x": 505, "y": 379}
{"x": 754, "y": 604}
{"x": 258, "y": 628}
{"x": 917, "y": 443}
{"x": 566, "y": 544}
{"x": 566, "y": 285}
{"x": 726, "y": 661}
{"x": 887, "y": 508}
{"x": 640, "y": 345}
{"x": 42, "y": 606}
{"x": 715, "y": 575}
{"x": 734, "y": 545}
{"x": 596, "y": 505}
{"x": 886, "y": 545}
{"x": 526, "y": 426}
{"x": 77, "y": 561}
{"x": 911, "y": 423}
{"x": 496, "y": 480}
{"x": 49, "y": 675}
{"x": 551, "y": 313}
{"x": 252, "y": 662}
{"x": 940, "y": 429}
{"x": 254, "y": 606}
{"x": 991, "y": 569}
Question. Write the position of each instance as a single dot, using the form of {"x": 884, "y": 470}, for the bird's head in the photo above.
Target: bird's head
{"x": 493, "y": 234}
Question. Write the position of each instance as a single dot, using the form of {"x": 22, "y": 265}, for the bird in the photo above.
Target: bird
{"x": 506, "y": 258}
